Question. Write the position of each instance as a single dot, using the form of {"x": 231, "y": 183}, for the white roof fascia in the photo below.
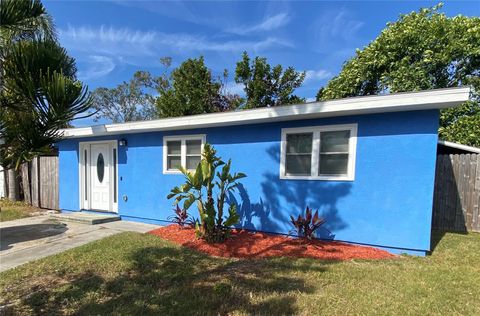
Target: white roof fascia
{"x": 411, "y": 101}
{"x": 459, "y": 146}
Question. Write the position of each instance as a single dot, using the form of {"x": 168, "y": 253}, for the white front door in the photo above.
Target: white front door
{"x": 100, "y": 162}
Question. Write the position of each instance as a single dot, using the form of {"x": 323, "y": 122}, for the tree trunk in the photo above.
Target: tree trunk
{"x": 13, "y": 185}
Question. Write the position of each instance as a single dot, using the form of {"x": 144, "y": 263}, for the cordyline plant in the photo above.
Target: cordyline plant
{"x": 181, "y": 217}
{"x": 305, "y": 226}
{"x": 199, "y": 187}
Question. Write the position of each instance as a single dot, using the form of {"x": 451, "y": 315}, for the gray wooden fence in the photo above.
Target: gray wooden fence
{"x": 457, "y": 193}
{"x": 40, "y": 182}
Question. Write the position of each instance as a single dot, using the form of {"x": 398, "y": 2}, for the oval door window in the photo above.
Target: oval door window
{"x": 100, "y": 167}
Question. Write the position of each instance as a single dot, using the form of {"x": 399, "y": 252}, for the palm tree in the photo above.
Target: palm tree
{"x": 39, "y": 92}
{"x": 24, "y": 19}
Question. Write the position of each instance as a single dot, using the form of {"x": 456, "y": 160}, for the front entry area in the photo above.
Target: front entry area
{"x": 98, "y": 174}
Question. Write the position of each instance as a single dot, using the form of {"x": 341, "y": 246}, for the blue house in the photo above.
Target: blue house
{"x": 366, "y": 163}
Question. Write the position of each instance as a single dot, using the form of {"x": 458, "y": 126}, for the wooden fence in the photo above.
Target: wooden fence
{"x": 457, "y": 193}
{"x": 40, "y": 182}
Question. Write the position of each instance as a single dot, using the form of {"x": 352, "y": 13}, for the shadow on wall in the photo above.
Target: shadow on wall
{"x": 282, "y": 198}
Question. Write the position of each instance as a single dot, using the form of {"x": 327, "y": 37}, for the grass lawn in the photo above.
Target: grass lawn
{"x": 14, "y": 210}
{"x": 139, "y": 274}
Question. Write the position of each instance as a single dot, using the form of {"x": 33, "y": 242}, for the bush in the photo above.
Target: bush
{"x": 199, "y": 187}
{"x": 306, "y": 225}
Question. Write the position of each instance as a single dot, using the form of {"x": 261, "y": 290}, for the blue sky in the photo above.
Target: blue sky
{"x": 111, "y": 40}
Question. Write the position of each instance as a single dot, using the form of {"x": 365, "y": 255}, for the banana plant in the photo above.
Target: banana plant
{"x": 200, "y": 187}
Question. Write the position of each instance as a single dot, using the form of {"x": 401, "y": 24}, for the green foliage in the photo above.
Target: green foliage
{"x": 39, "y": 93}
{"x": 466, "y": 129}
{"x": 422, "y": 50}
{"x": 24, "y": 19}
{"x": 129, "y": 101}
{"x": 265, "y": 85}
{"x": 191, "y": 89}
{"x": 39, "y": 96}
{"x": 199, "y": 188}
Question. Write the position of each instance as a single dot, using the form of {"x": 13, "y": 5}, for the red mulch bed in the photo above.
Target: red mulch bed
{"x": 245, "y": 244}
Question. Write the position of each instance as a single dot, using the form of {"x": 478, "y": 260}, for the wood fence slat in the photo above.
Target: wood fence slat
{"x": 24, "y": 170}
{"x": 444, "y": 182}
{"x": 476, "y": 196}
{"x": 457, "y": 193}
{"x": 34, "y": 182}
{"x": 40, "y": 182}
{"x": 470, "y": 174}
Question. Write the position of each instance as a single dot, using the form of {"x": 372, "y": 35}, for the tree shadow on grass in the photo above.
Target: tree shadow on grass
{"x": 174, "y": 281}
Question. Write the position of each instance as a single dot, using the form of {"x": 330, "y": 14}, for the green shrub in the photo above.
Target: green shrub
{"x": 199, "y": 187}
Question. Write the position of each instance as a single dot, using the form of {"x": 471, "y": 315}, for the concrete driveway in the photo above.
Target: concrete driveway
{"x": 36, "y": 237}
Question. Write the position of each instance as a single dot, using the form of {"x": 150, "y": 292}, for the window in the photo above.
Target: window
{"x": 100, "y": 167}
{"x": 183, "y": 151}
{"x": 319, "y": 153}
{"x": 299, "y": 154}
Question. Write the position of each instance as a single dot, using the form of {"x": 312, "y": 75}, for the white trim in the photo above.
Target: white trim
{"x": 85, "y": 204}
{"x": 317, "y": 130}
{"x": 412, "y": 101}
{"x": 459, "y": 146}
{"x": 183, "y": 151}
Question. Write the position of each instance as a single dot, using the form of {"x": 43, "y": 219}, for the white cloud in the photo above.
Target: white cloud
{"x": 270, "y": 23}
{"x": 126, "y": 42}
{"x": 311, "y": 99}
{"x": 98, "y": 66}
{"x": 344, "y": 26}
{"x": 312, "y": 75}
{"x": 334, "y": 27}
{"x": 110, "y": 34}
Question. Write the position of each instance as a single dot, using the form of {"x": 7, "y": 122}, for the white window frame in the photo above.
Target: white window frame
{"x": 85, "y": 203}
{"x": 183, "y": 152}
{"x": 317, "y": 130}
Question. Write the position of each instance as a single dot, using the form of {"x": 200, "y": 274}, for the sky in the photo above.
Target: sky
{"x": 110, "y": 40}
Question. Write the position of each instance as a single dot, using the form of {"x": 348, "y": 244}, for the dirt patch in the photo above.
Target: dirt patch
{"x": 245, "y": 244}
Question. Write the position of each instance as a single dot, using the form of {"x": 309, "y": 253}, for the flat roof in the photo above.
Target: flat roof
{"x": 396, "y": 102}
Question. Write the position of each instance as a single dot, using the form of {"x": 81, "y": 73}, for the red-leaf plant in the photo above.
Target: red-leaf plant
{"x": 181, "y": 217}
{"x": 305, "y": 226}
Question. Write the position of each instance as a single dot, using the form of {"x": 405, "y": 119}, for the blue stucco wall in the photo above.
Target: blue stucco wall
{"x": 389, "y": 203}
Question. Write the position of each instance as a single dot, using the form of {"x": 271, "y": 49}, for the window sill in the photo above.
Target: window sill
{"x": 176, "y": 171}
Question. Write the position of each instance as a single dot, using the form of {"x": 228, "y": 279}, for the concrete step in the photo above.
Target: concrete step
{"x": 86, "y": 218}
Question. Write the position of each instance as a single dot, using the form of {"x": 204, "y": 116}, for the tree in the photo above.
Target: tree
{"x": 267, "y": 86}
{"x": 129, "y": 101}
{"x": 191, "y": 89}
{"x": 422, "y": 50}
{"x": 39, "y": 93}
{"x": 24, "y": 19}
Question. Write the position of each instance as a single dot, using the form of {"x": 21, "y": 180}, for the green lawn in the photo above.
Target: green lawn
{"x": 139, "y": 274}
{"x": 14, "y": 210}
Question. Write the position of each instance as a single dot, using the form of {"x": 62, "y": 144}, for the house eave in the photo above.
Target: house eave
{"x": 471, "y": 149}
{"x": 411, "y": 101}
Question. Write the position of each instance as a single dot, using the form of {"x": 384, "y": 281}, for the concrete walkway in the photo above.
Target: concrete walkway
{"x": 36, "y": 237}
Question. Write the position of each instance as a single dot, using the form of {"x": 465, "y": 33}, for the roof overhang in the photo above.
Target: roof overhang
{"x": 471, "y": 149}
{"x": 411, "y": 101}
